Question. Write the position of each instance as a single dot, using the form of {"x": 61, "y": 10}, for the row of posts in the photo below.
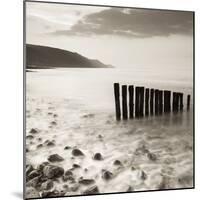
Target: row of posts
{"x": 147, "y": 101}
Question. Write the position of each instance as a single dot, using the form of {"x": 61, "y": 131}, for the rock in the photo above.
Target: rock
{"x": 143, "y": 175}
{"x": 107, "y": 175}
{"x": 29, "y": 168}
{"x": 29, "y": 137}
{"x": 33, "y": 182}
{"x": 75, "y": 166}
{"x": 33, "y": 174}
{"x": 50, "y": 113}
{"x": 130, "y": 189}
{"x": 53, "y": 123}
{"x": 65, "y": 186}
{"x": 69, "y": 178}
{"x": 86, "y": 181}
{"x": 77, "y": 152}
{"x": 74, "y": 188}
{"x": 52, "y": 171}
{"x": 34, "y": 131}
{"x": 92, "y": 190}
{"x": 39, "y": 146}
{"x": 55, "y": 115}
{"x": 40, "y": 139}
{"x": 97, "y": 156}
{"x": 55, "y": 158}
{"x": 50, "y": 144}
{"x": 47, "y": 185}
{"x": 68, "y": 173}
{"x": 27, "y": 150}
{"x": 152, "y": 156}
{"x": 31, "y": 192}
{"x": 54, "y": 193}
{"x": 41, "y": 166}
{"x": 67, "y": 147}
{"x": 117, "y": 162}
{"x": 133, "y": 168}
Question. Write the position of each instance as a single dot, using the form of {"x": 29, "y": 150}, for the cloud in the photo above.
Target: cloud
{"x": 139, "y": 23}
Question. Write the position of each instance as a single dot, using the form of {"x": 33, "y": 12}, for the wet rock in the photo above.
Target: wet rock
{"x": 77, "y": 152}
{"x": 54, "y": 193}
{"x": 75, "y": 166}
{"x": 107, "y": 175}
{"x": 133, "y": 168}
{"x": 52, "y": 171}
{"x": 31, "y": 192}
{"x": 75, "y": 187}
{"x": 97, "y": 156}
{"x": 29, "y": 168}
{"x": 33, "y": 174}
{"x": 117, "y": 162}
{"x": 53, "y": 123}
{"x": 27, "y": 150}
{"x": 71, "y": 179}
{"x": 41, "y": 166}
{"x": 92, "y": 190}
{"x": 55, "y": 158}
{"x": 47, "y": 185}
{"x": 143, "y": 175}
{"x": 33, "y": 182}
{"x": 50, "y": 144}
{"x": 130, "y": 189}
{"x": 30, "y": 137}
{"x": 55, "y": 115}
{"x": 151, "y": 156}
{"x": 86, "y": 181}
{"x": 39, "y": 146}
{"x": 67, "y": 147}
{"x": 68, "y": 173}
{"x": 34, "y": 131}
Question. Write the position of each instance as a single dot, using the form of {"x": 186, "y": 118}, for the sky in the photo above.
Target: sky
{"x": 122, "y": 37}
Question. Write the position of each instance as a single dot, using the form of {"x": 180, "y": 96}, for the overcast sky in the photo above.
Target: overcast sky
{"x": 121, "y": 37}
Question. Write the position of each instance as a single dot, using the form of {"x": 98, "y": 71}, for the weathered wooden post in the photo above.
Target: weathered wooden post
{"x": 147, "y": 101}
{"x": 175, "y": 101}
{"x": 117, "y": 101}
{"x": 160, "y": 101}
{"x": 188, "y": 102}
{"x": 151, "y": 101}
{"x": 141, "y": 101}
{"x": 156, "y": 101}
{"x": 124, "y": 102}
{"x": 137, "y": 101}
{"x": 131, "y": 101}
{"x": 181, "y": 101}
{"x": 167, "y": 101}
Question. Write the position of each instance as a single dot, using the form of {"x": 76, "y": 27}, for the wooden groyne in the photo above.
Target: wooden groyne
{"x": 135, "y": 102}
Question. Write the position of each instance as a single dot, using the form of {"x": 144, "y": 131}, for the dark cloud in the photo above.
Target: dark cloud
{"x": 133, "y": 23}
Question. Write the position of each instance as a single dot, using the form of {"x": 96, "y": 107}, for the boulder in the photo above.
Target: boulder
{"x": 52, "y": 171}
{"x": 75, "y": 166}
{"x": 151, "y": 156}
{"x": 117, "y": 162}
{"x": 77, "y": 152}
{"x": 34, "y": 131}
{"x": 55, "y": 158}
{"x": 32, "y": 175}
{"x": 50, "y": 144}
{"x": 68, "y": 173}
{"x": 41, "y": 166}
{"x": 33, "y": 182}
{"x": 29, "y": 137}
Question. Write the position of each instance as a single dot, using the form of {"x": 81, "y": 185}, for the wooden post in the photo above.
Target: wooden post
{"x": 124, "y": 102}
{"x": 156, "y": 101}
{"x": 147, "y": 101}
{"x": 188, "y": 102}
{"x": 160, "y": 100}
{"x": 131, "y": 100}
{"x": 181, "y": 101}
{"x": 117, "y": 101}
{"x": 175, "y": 101}
{"x": 167, "y": 101}
{"x": 137, "y": 101}
{"x": 141, "y": 101}
{"x": 151, "y": 101}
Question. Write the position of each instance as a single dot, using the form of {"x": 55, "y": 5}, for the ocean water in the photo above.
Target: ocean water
{"x": 83, "y": 102}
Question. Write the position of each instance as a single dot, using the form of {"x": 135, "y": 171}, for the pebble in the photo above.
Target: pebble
{"x": 117, "y": 162}
{"x": 107, "y": 175}
{"x": 97, "y": 156}
{"x": 34, "y": 131}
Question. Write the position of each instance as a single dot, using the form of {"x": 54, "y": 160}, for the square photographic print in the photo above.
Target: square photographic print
{"x": 109, "y": 99}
